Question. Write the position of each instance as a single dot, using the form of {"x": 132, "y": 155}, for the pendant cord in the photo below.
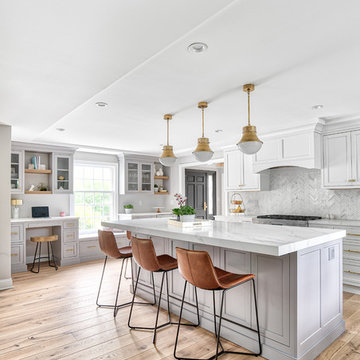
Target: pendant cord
{"x": 202, "y": 112}
{"x": 248, "y": 92}
{"x": 167, "y": 131}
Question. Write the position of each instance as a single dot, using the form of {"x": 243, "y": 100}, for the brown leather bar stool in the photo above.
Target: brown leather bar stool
{"x": 109, "y": 247}
{"x": 145, "y": 256}
{"x": 39, "y": 240}
{"x": 197, "y": 268}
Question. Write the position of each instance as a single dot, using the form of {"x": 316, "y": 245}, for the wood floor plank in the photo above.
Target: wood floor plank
{"x": 52, "y": 315}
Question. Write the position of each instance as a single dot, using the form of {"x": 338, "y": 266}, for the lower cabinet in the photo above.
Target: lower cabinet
{"x": 17, "y": 254}
{"x": 70, "y": 250}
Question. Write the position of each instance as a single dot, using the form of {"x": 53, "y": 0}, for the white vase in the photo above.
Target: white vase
{"x": 187, "y": 218}
{"x": 15, "y": 212}
{"x": 128, "y": 211}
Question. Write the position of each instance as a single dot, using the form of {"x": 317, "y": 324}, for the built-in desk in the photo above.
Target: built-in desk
{"x": 66, "y": 249}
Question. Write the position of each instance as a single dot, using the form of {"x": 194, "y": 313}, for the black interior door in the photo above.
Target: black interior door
{"x": 196, "y": 192}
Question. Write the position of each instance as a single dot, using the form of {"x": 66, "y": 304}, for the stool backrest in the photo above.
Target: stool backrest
{"x": 144, "y": 254}
{"x": 197, "y": 268}
{"x": 108, "y": 244}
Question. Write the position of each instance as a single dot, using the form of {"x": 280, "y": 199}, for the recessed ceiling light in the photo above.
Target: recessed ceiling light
{"x": 101, "y": 104}
{"x": 219, "y": 130}
{"x": 60, "y": 129}
{"x": 317, "y": 107}
{"x": 197, "y": 47}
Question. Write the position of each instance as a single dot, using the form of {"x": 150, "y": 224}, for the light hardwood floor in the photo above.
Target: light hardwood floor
{"x": 52, "y": 315}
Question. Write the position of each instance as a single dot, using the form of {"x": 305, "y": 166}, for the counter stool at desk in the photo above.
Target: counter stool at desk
{"x": 197, "y": 268}
{"x": 39, "y": 240}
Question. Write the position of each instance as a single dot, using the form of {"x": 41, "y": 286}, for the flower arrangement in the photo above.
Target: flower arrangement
{"x": 182, "y": 209}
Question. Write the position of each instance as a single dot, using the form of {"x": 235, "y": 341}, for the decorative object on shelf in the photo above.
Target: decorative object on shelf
{"x": 128, "y": 208}
{"x": 42, "y": 187}
{"x": 35, "y": 160}
{"x": 156, "y": 188}
{"x": 61, "y": 177}
{"x": 236, "y": 204}
{"x": 203, "y": 152}
{"x": 167, "y": 158}
{"x": 249, "y": 143}
{"x": 32, "y": 187}
{"x": 42, "y": 167}
{"x": 15, "y": 210}
{"x": 31, "y": 167}
{"x": 62, "y": 213}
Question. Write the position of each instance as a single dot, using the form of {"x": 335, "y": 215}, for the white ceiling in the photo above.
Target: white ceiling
{"x": 58, "y": 58}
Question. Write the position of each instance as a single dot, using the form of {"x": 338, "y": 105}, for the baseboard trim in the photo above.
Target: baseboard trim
{"x": 6, "y": 284}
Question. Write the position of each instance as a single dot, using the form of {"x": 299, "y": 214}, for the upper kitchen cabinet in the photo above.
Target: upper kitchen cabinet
{"x": 239, "y": 173}
{"x": 136, "y": 174}
{"x": 301, "y": 147}
{"x": 17, "y": 171}
{"x": 341, "y": 160}
{"x": 63, "y": 173}
{"x": 41, "y": 169}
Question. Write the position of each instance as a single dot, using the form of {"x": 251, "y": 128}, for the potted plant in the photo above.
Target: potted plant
{"x": 183, "y": 212}
{"x": 156, "y": 188}
{"x": 128, "y": 208}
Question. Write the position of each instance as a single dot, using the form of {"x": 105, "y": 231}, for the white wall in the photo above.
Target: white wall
{"x": 5, "y": 258}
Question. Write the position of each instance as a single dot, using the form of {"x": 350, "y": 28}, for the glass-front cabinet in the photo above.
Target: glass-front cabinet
{"x": 132, "y": 169}
{"x": 139, "y": 177}
{"x": 146, "y": 177}
{"x": 63, "y": 173}
{"x": 17, "y": 172}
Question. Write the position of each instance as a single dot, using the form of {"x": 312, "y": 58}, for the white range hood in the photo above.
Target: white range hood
{"x": 296, "y": 147}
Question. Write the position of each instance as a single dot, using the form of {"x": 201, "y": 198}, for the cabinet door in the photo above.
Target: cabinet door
{"x": 337, "y": 160}
{"x": 355, "y": 145}
{"x": 132, "y": 176}
{"x": 63, "y": 174}
{"x": 17, "y": 172}
{"x": 234, "y": 170}
{"x": 146, "y": 177}
{"x": 251, "y": 180}
{"x": 270, "y": 151}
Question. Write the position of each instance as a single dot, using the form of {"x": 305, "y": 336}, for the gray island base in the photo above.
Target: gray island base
{"x": 298, "y": 278}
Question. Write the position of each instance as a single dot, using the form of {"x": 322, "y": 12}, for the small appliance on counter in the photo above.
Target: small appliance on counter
{"x": 287, "y": 220}
{"x": 40, "y": 211}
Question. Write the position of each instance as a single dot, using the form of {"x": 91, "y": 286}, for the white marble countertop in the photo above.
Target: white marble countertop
{"x": 148, "y": 213}
{"x": 233, "y": 218}
{"x": 335, "y": 222}
{"x": 32, "y": 220}
{"x": 257, "y": 238}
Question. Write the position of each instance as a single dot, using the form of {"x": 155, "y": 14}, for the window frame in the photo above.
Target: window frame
{"x": 115, "y": 191}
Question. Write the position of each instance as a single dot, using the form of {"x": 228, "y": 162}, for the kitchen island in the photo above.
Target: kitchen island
{"x": 298, "y": 277}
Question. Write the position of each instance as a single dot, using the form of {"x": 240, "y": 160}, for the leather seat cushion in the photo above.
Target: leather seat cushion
{"x": 125, "y": 251}
{"x": 167, "y": 262}
{"x": 228, "y": 279}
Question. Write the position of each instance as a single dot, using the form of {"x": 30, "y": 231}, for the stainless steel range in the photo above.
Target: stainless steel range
{"x": 288, "y": 220}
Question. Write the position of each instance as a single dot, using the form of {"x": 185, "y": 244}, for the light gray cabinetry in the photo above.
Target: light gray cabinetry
{"x": 63, "y": 177}
{"x": 18, "y": 261}
{"x": 17, "y": 171}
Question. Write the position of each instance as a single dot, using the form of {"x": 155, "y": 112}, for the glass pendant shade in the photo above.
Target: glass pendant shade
{"x": 167, "y": 157}
{"x": 249, "y": 143}
{"x": 203, "y": 151}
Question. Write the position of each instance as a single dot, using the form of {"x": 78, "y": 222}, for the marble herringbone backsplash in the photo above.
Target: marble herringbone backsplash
{"x": 298, "y": 191}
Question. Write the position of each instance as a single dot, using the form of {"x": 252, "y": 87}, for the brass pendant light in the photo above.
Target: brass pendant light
{"x": 249, "y": 143}
{"x": 203, "y": 152}
{"x": 167, "y": 157}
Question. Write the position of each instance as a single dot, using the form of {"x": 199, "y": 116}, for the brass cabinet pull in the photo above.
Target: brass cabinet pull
{"x": 352, "y": 234}
{"x": 205, "y": 206}
{"x": 68, "y": 236}
{"x": 351, "y": 180}
{"x": 14, "y": 233}
{"x": 14, "y": 254}
{"x": 91, "y": 247}
{"x": 70, "y": 250}
{"x": 240, "y": 185}
{"x": 351, "y": 272}
{"x": 353, "y": 251}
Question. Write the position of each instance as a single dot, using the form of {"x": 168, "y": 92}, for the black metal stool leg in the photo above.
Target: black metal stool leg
{"x": 53, "y": 257}
{"x": 102, "y": 276}
{"x": 215, "y": 331}
{"x": 48, "y": 251}
{"x": 118, "y": 289}
{"x": 132, "y": 301}
{"x": 257, "y": 318}
{"x": 158, "y": 309}
{"x": 179, "y": 322}
{"x": 33, "y": 264}
{"x": 39, "y": 258}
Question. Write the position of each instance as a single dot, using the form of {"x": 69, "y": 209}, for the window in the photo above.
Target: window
{"x": 95, "y": 195}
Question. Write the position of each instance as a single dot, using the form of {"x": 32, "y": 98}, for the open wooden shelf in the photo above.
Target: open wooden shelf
{"x": 161, "y": 177}
{"x": 161, "y": 193}
{"x": 37, "y": 171}
{"x": 38, "y": 192}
